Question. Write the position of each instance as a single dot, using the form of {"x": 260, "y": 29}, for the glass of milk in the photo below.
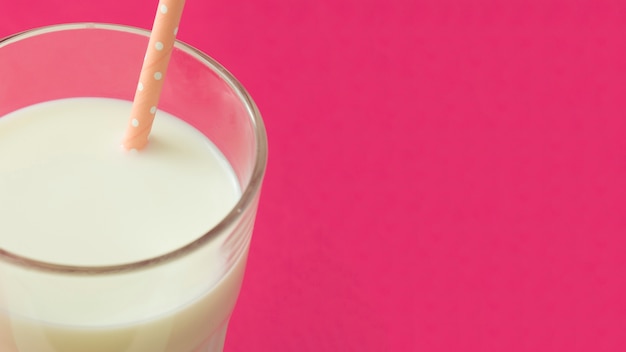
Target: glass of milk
{"x": 106, "y": 250}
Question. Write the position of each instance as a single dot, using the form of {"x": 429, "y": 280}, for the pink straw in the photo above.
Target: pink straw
{"x": 153, "y": 71}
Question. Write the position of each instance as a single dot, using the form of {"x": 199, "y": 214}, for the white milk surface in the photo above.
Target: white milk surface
{"x": 70, "y": 195}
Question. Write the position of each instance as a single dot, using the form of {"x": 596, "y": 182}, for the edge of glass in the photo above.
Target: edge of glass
{"x": 248, "y": 194}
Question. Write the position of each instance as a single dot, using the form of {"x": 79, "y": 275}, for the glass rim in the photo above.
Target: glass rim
{"x": 248, "y": 194}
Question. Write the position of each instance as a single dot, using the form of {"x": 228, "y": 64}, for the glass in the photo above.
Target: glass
{"x": 176, "y": 305}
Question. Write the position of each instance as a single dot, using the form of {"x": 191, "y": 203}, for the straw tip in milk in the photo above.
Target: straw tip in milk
{"x": 130, "y": 151}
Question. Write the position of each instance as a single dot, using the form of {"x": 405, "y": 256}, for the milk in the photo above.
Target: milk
{"x": 70, "y": 195}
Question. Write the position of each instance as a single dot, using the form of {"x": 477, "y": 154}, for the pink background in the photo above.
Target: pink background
{"x": 443, "y": 176}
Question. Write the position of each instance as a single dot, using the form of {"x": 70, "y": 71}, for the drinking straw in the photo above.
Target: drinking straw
{"x": 152, "y": 74}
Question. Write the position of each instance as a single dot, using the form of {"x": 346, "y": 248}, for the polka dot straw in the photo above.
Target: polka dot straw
{"x": 153, "y": 72}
